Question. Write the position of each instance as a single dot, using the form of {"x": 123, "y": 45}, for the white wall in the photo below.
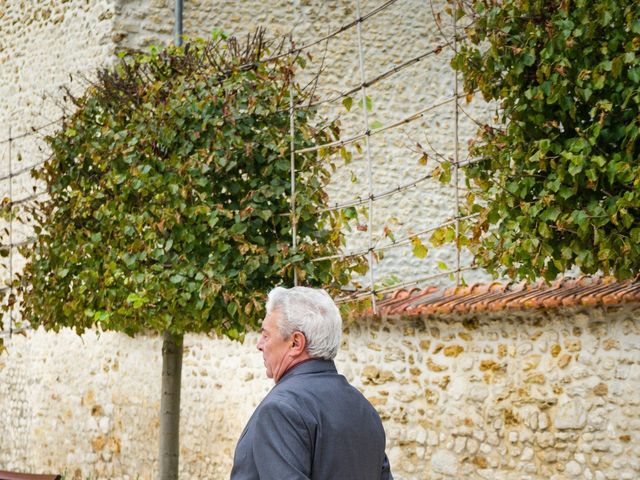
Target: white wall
{"x": 530, "y": 395}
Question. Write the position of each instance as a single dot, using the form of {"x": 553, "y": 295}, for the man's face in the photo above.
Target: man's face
{"x": 274, "y": 348}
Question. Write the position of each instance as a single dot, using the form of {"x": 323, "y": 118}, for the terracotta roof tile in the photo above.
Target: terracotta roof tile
{"x": 496, "y": 296}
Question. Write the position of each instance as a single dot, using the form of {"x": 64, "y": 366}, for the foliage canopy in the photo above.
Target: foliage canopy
{"x": 169, "y": 195}
{"x": 557, "y": 183}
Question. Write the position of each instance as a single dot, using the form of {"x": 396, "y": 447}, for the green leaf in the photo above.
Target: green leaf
{"x": 418, "y": 250}
{"x": 238, "y": 228}
{"x": 218, "y": 34}
{"x": 445, "y": 173}
{"x": 528, "y": 59}
{"x": 550, "y": 214}
{"x": 136, "y": 300}
{"x": 350, "y": 213}
{"x": 579, "y": 217}
{"x": 264, "y": 214}
{"x": 368, "y": 103}
{"x": 233, "y": 334}
{"x": 348, "y": 103}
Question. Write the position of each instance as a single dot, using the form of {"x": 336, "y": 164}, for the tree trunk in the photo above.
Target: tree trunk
{"x": 170, "y": 406}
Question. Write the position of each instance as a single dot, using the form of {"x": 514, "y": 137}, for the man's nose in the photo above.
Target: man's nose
{"x": 259, "y": 345}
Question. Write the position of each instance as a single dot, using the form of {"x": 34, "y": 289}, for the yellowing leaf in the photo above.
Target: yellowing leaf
{"x": 419, "y": 250}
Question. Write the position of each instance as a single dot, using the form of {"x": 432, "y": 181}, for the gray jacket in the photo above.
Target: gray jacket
{"x": 312, "y": 425}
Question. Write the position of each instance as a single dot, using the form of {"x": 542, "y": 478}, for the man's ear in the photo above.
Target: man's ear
{"x": 298, "y": 343}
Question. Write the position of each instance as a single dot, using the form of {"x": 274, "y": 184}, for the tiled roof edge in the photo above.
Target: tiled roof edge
{"x": 493, "y": 297}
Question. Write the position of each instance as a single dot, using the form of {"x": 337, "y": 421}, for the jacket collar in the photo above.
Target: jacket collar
{"x": 312, "y": 365}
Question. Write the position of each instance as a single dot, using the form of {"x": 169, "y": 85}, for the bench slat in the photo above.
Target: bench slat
{"x": 26, "y": 476}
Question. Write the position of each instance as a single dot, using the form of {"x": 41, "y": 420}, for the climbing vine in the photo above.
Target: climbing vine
{"x": 557, "y": 181}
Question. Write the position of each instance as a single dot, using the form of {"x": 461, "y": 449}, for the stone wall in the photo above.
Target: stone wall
{"x": 531, "y": 395}
{"x": 536, "y": 395}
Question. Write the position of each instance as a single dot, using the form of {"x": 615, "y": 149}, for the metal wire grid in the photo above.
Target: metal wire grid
{"x": 369, "y": 198}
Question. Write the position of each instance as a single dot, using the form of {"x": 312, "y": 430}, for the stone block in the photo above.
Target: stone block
{"x": 490, "y": 365}
{"x": 571, "y": 415}
{"x": 459, "y": 444}
{"x": 535, "y": 378}
{"x": 564, "y": 360}
{"x": 453, "y": 350}
{"x": 573, "y": 469}
{"x": 444, "y": 462}
{"x": 434, "y": 367}
{"x": 573, "y": 345}
{"x": 524, "y": 348}
{"x": 601, "y": 389}
{"x": 531, "y": 362}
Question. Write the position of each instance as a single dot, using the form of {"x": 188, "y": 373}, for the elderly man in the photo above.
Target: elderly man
{"x": 312, "y": 424}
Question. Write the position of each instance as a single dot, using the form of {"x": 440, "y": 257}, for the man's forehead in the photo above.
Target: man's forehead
{"x": 270, "y": 321}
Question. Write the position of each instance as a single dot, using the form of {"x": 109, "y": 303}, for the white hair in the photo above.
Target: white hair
{"x": 312, "y": 312}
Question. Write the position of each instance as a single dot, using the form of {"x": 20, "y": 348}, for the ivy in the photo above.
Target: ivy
{"x": 169, "y": 196}
{"x": 557, "y": 182}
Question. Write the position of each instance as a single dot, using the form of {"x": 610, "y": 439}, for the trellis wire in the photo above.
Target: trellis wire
{"x": 394, "y": 243}
{"x": 11, "y": 300}
{"x": 359, "y": 201}
{"x": 284, "y": 37}
{"x": 370, "y": 196}
{"x": 22, "y": 243}
{"x": 335, "y": 33}
{"x": 373, "y": 81}
{"x": 32, "y": 131}
{"x": 400, "y": 188}
{"x": 456, "y": 147}
{"x": 28, "y": 198}
{"x": 367, "y": 83}
{"x": 367, "y": 143}
{"x": 9, "y": 289}
{"x": 368, "y": 132}
{"x": 14, "y": 331}
{"x": 23, "y": 170}
{"x": 359, "y": 295}
{"x": 292, "y": 132}
{"x": 377, "y": 196}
